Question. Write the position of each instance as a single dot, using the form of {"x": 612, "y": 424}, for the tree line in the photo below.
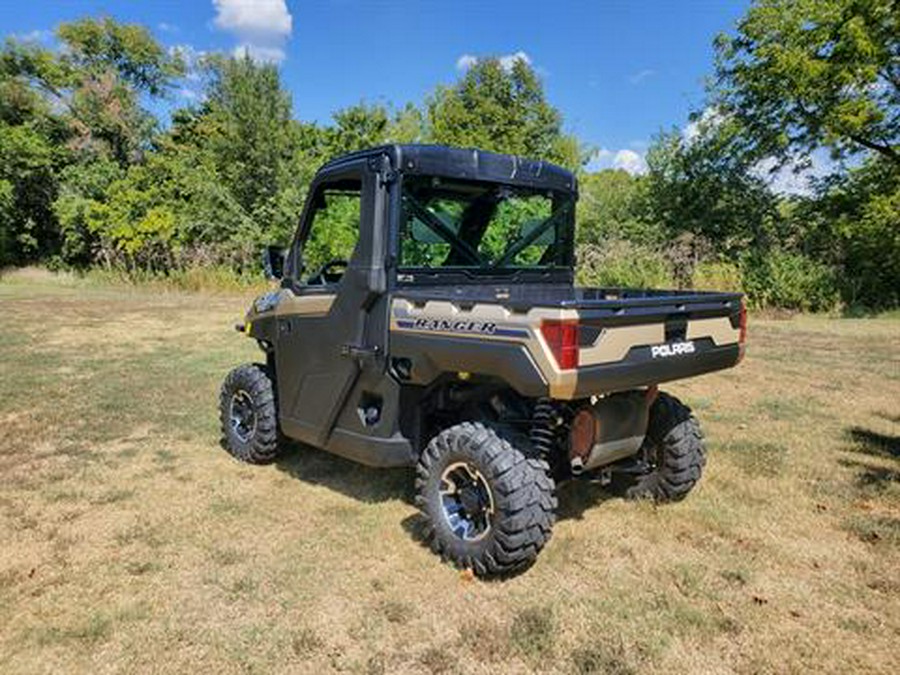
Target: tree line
{"x": 90, "y": 177}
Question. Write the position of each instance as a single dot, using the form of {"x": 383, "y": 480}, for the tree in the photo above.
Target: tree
{"x": 853, "y": 224}
{"x": 364, "y": 126}
{"x": 612, "y": 205}
{"x": 97, "y": 79}
{"x": 357, "y": 127}
{"x": 100, "y": 46}
{"x": 7, "y": 222}
{"x": 802, "y": 74}
{"x": 501, "y": 109}
{"x": 698, "y": 186}
{"x": 246, "y": 123}
{"x": 217, "y": 185}
{"x": 408, "y": 125}
{"x": 30, "y": 156}
{"x": 80, "y": 103}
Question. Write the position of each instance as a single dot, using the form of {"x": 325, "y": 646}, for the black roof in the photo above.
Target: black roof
{"x": 467, "y": 163}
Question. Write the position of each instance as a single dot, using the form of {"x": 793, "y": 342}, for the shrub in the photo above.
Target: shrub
{"x": 684, "y": 253}
{"x": 617, "y": 262}
{"x": 872, "y": 249}
{"x": 790, "y": 281}
{"x": 717, "y": 275}
{"x": 7, "y": 205}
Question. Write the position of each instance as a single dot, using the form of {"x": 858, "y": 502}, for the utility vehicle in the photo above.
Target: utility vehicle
{"x": 427, "y": 316}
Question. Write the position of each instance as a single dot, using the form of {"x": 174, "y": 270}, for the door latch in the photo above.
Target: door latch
{"x": 359, "y": 352}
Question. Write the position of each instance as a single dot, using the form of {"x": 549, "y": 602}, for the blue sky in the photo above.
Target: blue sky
{"x": 619, "y": 70}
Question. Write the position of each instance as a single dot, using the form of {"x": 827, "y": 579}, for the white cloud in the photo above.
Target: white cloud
{"x": 167, "y": 27}
{"x": 507, "y": 61}
{"x": 261, "y": 26}
{"x": 641, "y": 75}
{"x": 624, "y": 159}
{"x": 246, "y": 18}
{"x": 710, "y": 118}
{"x": 630, "y": 161}
{"x": 466, "y": 61}
{"x": 796, "y": 177}
{"x": 599, "y": 160}
{"x": 604, "y": 155}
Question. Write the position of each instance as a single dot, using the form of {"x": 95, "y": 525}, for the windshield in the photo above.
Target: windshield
{"x": 483, "y": 226}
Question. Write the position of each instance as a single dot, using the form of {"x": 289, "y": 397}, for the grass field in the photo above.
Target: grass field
{"x": 132, "y": 542}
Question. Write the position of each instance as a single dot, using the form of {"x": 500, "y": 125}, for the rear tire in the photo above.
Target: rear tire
{"x": 488, "y": 506}
{"x": 675, "y": 449}
{"x": 248, "y": 415}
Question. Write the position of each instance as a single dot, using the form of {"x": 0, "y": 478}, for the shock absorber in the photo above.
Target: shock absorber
{"x": 542, "y": 432}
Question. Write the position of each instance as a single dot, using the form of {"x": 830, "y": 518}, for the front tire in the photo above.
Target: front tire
{"x": 488, "y": 505}
{"x": 675, "y": 450}
{"x": 248, "y": 415}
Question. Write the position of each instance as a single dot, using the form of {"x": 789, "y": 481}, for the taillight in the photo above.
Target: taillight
{"x": 743, "y": 322}
{"x": 562, "y": 338}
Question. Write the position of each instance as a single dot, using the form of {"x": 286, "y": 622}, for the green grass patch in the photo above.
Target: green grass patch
{"x": 533, "y": 632}
{"x": 877, "y": 530}
{"x": 756, "y": 458}
{"x": 96, "y": 628}
{"x": 602, "y": 659}
{"x": 787, "y": 409}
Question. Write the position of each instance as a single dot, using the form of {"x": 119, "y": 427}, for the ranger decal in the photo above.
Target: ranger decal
{"x": 459, "y": 326}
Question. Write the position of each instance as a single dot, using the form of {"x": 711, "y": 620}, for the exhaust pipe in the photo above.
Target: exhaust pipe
{"x": 608, "y": 429}
{"x": 576, "y": 464}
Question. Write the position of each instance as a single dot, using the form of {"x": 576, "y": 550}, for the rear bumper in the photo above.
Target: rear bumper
{"x": 642, "y": 370}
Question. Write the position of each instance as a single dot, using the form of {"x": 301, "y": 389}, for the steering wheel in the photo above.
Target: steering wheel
{"x": 329, "y": 273}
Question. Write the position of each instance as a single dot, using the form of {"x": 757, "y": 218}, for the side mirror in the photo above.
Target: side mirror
{"x": 273, "y": 262}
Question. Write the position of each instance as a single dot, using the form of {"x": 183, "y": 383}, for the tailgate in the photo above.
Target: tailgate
{"x": 639, "y": 338}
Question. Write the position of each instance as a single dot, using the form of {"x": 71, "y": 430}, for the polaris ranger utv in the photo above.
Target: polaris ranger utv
{"x": 440, "y": 328}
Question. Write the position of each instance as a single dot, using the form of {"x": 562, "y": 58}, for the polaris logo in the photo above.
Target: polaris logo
{"x": 674, "y": 349}
{"x": 463, "y": 326}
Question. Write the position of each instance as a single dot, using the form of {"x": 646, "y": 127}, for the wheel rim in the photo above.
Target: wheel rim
{"x": 242, "y": 416}
{"x": 467, "y": 501}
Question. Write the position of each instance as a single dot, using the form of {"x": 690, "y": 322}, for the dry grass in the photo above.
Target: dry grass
{"x": 131, "y": 542}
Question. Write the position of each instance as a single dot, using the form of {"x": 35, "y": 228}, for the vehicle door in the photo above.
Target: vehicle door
{"x": 321, "y": 317}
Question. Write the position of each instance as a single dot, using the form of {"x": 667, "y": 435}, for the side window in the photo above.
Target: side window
{"x": 333, "y": 233}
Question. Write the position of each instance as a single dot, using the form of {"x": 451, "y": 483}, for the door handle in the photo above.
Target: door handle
{"x": 359, "y": 352}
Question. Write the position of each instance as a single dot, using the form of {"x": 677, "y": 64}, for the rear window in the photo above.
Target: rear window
{"x": 462, "y": 224}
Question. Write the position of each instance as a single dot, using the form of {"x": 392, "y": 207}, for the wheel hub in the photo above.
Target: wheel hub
{"x": 242, "y": 415}
{"x": 466, "y": 500}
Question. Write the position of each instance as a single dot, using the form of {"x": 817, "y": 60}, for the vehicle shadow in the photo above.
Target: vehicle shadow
{"x": 579, "y": 495}
{"x": 373, "y": 485}
{"x": 357, "y": 481}
{"x": 869, "y": 475}
{"x": 870, "y": 442}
